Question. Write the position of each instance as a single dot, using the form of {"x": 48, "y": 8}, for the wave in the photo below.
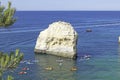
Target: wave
{"x": 21, "y": 31}
{"x": 17, "y": 42}
{"x": 99, "y": 25}
{"x": 34, "y": 29}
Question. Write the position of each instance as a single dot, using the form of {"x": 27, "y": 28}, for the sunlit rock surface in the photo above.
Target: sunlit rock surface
{"x": 58, "y": 39}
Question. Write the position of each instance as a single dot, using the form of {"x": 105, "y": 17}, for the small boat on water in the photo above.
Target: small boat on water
{"x": 87, "y": 56}
{"x": 89, "y": 30}
{"x": 49, "y": 68}
{"x": 25, "y": 68}
{"x": 74, "y": 68}
{"x": 59, "y": 60}
{"x": 22, "y": 72}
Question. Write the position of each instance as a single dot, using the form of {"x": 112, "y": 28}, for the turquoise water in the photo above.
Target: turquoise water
{"x": 101, "y": 44}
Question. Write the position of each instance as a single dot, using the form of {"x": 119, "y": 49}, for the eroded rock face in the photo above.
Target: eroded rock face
{"x": 58, "y": 39}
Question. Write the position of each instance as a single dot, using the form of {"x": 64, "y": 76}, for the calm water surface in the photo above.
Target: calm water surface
{"x": 101, "y": 44}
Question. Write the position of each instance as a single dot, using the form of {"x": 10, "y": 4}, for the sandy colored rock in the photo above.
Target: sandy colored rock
{"x": 58, "y": 39}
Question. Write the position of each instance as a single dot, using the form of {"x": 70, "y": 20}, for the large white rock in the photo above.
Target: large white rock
{"x": 119, "y": 39}
{"x": 58, "y": 39}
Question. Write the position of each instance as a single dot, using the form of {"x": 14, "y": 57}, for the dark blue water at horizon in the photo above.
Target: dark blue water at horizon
{"x": 101, "y": 44}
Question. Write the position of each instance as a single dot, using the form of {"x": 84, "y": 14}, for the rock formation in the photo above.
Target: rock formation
{"x": 58, "y": 39}
{"x": 119, "y": 39}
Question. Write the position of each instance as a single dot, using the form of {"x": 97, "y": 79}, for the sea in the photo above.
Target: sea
{"x": 98, "y": 51}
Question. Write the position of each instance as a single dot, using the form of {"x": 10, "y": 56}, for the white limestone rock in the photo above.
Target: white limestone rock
{"x": 58, "y": 39}
{"x": 119, "y": 39}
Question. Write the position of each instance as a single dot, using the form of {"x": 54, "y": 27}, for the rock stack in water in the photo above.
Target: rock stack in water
{"x": 119, "y": 39}
{"x": 58, "y": 39}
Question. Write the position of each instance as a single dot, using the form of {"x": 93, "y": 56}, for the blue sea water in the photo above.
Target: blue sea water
{"x": 101, "y": 44}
